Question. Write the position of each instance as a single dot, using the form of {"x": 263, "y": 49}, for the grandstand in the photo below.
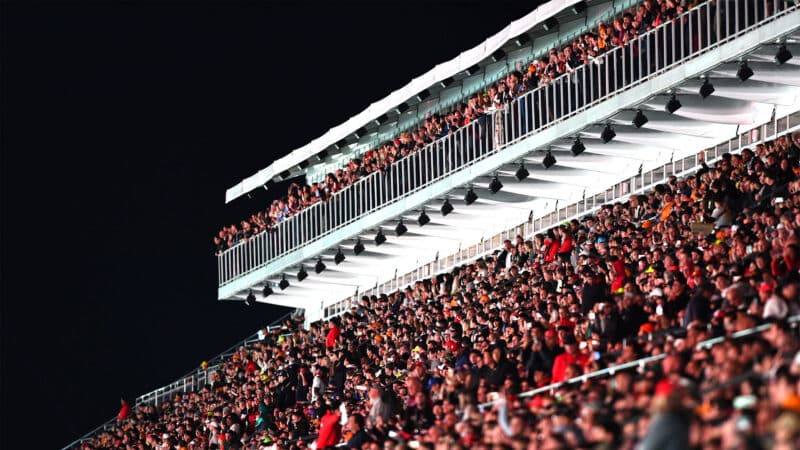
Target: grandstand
{"x": 607, "y": 258}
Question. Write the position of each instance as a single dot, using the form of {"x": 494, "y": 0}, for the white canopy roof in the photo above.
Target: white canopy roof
{"x": 439, "y": 73}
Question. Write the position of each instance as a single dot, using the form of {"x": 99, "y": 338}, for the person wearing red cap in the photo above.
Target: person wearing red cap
{"x": 669, "y": 428}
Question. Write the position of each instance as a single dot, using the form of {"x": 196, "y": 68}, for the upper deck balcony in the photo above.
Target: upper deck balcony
{"x": 704, "y": 42}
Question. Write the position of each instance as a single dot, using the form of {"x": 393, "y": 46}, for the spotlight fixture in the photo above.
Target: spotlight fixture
{"x": 470, "y": 197}
{"x": 578, "y": 147}
{"x": 302, "y": 274}
{"x": 579, "y": 8}
{"x": 447, "y": 208}
{"x": 358, "y": 248}
{"x": 380, "y": 238}
{"x": 422, "y": 95}
{"x": 522, "y": 172}
{"x": 608, "y": 134}
{"x": 423, "y": 218}
{"x": 783, "y": 55}
{"x": 706, "y": 89}
{"x": 521, "y": 40}
{"x": 673, "y": 104}
{"x": 267, "y": 290}
{"x": 401, "y": 228}
{"x": 640, "y": 119}
{"x": 498, "y": 55}
{"x": 549, "y": 160}
{"x": 320, "y": 266}
{"x": 251, "y": 298}
{"x": 495, "y": 185}
{"x": 401, "y": 108}
{"x": 550, "y": 23}
{"x": 284, "y": 283}
{"x": 745, "y": 72}
{"x": 446, "y": 82}
{"x": 339, "y": 257}
{"x": 472, "y": 70}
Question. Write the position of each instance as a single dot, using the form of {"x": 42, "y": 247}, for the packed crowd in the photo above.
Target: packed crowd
{"x": 700, "y": 257}
{"x": 585, "y": 49}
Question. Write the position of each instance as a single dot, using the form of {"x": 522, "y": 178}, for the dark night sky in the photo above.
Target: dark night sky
{"x": 123, "y": 125}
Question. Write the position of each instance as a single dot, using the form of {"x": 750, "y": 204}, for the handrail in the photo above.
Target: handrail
{"x": 642, "y": 362}
{"x": 638, "y": 184}
{"x": 156, "y": 395}
{"x": 614, "y": 11}
{"x": 539, "y": 109}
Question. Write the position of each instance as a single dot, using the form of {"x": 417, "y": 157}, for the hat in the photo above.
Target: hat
{"x": 764, "y": 287}
{"x": 657, "y": 292}
{"x": 549, "y": 333}
{"x": 646, "y": 328}
{"x": 664, "y": 388}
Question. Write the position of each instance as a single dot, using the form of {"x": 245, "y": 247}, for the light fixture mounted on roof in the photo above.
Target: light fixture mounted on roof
{"x": 577, "y": 147}
{"x": 498, "y": 55}
{"x": 640, "y": 119}
{"x": 251, "y": 298}
{"x": 706, "y": 89}
{"x": 550, "y": 24}
{"x": 358, "y": 248}
{"x": 320, "y": 266}
{"x": 380, "y": 238}
{"x": 522, "y": 39}
{"x": 579, "y": 7}
{"x": 447, "y": 208}
{"x": 359, "y": 133}
{"x": 380, "y": 120}
{"x": 783, "y": 55}
{"x": 340, "y": 144}
{"x": 339, "y": 257}
{"x": 446, "y": 82}
{"x": 470, "y": 197}
{"x": 401, "y": 108}
{"x": 302, "y": 274}
{"x": 673, "y": 104}
{"x": 401, "y": 228}
{"x": 745, "y": 72}
{"x": 284, "y": 283}
{"x": 522, "y": 172}
{"x": 495, "y": 185}
{"x": 608, "y": 134}
{"x": 549, "y": 160}
{"x": 423, "y": 218}
{"x": 422, "y": 95}
{"x": 473, "y": 70}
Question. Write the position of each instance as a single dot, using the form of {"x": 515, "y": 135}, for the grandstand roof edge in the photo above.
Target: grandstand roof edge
{"x": 438, "y": 73}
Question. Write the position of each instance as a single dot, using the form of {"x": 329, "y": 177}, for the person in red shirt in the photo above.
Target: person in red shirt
{"x": 333, "y": 335}
{"x": 124, "y": 411}
{"x": 570, "y": 356}
{"x": 330, "y": 430}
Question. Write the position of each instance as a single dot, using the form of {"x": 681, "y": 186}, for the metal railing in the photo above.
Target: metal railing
{"x": 615, "y": 10}
{"x": 674, "y": 43}
{"x": 640, "y": 363}
{"x": 190, "y": 382}
{"x": 640, "y": 183}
